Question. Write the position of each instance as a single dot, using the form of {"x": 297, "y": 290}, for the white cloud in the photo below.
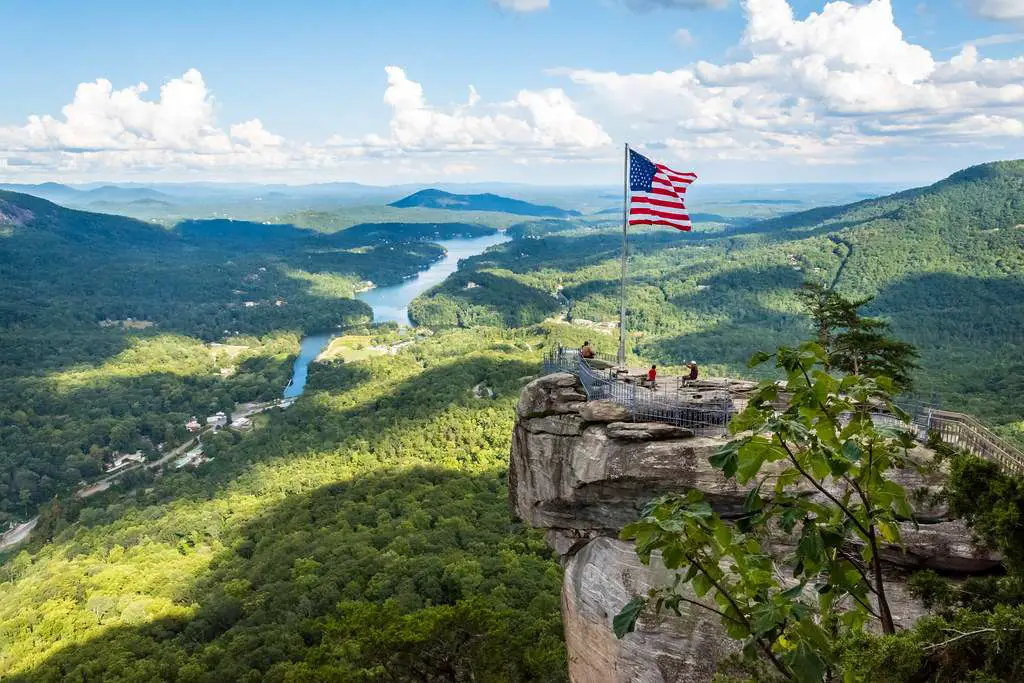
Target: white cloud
{"x": 835, "y": 84}
{"x": 101, "y": 118}
{"x": 1008, "y": 10}
{"x": 253, "y": 134}
{"x": 536, "y": 119}
{"x": 108, "y": 130}
{"x": 838, "y": 86}
{"x": 997, "y": 39}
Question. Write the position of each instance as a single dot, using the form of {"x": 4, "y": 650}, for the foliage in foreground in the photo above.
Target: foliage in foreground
{"x": 977, "y": 632}
{"x": 831, "y": 492}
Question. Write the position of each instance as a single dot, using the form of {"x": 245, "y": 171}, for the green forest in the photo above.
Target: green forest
{"x": 106, "y": 324}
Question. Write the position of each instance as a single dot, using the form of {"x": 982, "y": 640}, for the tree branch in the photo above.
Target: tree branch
{"x": 962, "y": 634}
{"x": 822, "y": 489}
{"x": 709, "y": 608}
{"x": 860, "y": 570}
{"x": 888, "y": 625}
{"x": 765, "y": 647}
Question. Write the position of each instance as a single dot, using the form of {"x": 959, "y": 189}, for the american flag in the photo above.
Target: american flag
{"x": 656, "y": 193}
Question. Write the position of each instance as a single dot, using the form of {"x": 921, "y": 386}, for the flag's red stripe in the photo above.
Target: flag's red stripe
{"x": 667, "y": 193}
{"x": 678, "y": 226}
{"x": 688, "y": 176}
{"x": 676, "y": 204}
{"x": 660, "y": 214}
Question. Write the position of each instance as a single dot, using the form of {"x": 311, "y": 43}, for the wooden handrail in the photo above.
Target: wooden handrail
{"x": 977, "y": 439}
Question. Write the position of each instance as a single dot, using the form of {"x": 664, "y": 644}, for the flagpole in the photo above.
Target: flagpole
{"x": 622, "y": 287}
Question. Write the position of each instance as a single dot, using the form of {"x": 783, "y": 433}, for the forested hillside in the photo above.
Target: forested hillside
{"x": 363, "y": 534}
{"x": 946, "y": 264}
{"x": 105, "y": 324}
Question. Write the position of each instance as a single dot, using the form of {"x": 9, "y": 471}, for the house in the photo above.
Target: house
{"x": 217, "y": 421}
{"x": 249, "y": 304}
{"x": 193, "y": 425}
{"x": 193, "y": 457}
{"x": 122, "y": 461}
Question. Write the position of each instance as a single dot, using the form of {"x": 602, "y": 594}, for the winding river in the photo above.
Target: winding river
{"x": 391, "y": 304}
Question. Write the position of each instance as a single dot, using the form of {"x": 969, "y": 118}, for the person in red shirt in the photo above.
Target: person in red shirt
{"x": 652, "y": 374}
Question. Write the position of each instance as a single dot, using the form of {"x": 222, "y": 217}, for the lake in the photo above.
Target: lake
{"x": 391, "y": 304}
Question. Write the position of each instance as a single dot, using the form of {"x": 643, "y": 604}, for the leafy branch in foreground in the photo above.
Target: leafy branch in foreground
{"x": 817, "y": 472}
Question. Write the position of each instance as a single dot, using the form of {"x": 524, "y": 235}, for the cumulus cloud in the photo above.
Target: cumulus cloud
{"x": 535, "y": 119}
{"x": 823, "y": 87}
{"x": 108, "y": 129}
{"x": 102, "y": 118}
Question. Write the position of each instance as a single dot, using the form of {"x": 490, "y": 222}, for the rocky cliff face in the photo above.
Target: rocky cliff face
{"x": 581, "y": 471}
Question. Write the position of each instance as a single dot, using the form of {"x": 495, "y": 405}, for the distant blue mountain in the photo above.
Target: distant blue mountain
{"x": 112, "y": 193}
{"x": 438, "y": 199}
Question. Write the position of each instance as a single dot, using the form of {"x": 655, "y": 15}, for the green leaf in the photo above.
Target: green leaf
{"x": 852, "y": 451}
{"x": 727, "y": 460}
{"x": 625, "y": 621}
{"x": 752, "y": 502}
{"x": 759, "y": 358}
{"x": 723, "y": 534}
{"x": 793, "y": 593}
{"x": 701, "y": 585}
{"x": 807, "y": 665}
{"x": 750, "y": 461}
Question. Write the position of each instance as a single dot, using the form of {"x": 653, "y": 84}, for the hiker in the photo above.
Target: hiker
{"x": 586, "y": 351}
{"x": 652, "y": 375}
{"x": 693, "y": 371}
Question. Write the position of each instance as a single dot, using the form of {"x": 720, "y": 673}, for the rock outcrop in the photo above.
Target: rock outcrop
{"x": 582, "y": 471}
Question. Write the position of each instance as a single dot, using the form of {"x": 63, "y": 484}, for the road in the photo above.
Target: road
{"x": 18, "y": 534}
{"x": 106, "y": 482}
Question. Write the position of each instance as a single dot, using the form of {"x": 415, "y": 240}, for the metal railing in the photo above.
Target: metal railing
{"x": 707, "y": 414}
{"x": 711, "y": 415}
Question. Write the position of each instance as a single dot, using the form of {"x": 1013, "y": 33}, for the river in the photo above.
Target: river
{"x": 391, "y": 304}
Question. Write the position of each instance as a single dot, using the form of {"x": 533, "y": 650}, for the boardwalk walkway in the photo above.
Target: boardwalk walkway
{"x": 707, "y": 406}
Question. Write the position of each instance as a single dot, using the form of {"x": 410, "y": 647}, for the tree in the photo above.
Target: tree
{"x": 856, "y": 344}
{"x": 831, "y": 490}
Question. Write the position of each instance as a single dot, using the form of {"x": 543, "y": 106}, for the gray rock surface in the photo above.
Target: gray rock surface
{"x": 603, "y": 411}
{"x": 582, "y": 471}
{"x": 647, "y": 431}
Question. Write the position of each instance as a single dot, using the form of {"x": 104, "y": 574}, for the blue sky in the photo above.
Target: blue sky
{"x": 739, "y": 90}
